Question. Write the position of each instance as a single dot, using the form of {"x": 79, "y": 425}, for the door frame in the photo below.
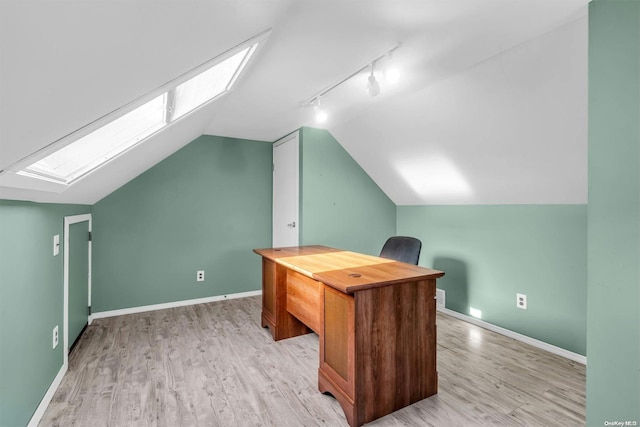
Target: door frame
{"x": 68, "y": 221}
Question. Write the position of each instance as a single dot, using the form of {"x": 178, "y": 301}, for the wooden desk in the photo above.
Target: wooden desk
{"x": 375, "y": 318}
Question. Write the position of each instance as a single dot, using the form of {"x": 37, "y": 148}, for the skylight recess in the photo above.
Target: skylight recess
{"x": 88, "y": 152}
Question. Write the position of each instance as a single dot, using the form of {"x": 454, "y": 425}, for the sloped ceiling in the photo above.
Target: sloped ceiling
{"x": 491, "y": 107}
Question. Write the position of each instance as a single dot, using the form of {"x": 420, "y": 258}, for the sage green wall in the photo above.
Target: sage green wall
{"x": 203, "y": 208}
{"x": 341, "y": 206}
{"x": 31, "y": 304}
{"x": 613, "y": 351}
{"x": 491, "y": 252}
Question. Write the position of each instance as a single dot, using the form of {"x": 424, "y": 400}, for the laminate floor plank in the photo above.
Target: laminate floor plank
{"x": 212, "y": 365}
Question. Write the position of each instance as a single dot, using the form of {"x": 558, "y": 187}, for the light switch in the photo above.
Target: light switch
{"x": 56, "y": 244}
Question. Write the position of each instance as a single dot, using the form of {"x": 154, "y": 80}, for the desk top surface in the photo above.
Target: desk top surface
{"x": 346, "y": 271}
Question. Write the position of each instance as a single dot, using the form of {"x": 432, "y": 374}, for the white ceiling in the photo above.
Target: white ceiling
{"x": 491, "y": 107}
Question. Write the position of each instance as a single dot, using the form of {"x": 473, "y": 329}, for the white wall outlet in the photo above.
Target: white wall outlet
{"x": 200, "y": 276}
{"x": 55, "y": 336}
{"x": 521, "y": 301}
{"x": 56, "y": 244}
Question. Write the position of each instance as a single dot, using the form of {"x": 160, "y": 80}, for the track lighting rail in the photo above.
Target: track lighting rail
{"x": 312, "y": 100}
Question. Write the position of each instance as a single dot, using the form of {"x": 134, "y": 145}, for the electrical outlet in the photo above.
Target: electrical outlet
{"x": 200, "y": 276}
{"x": 521, "y": 301}
{"x": 55, "y": 336}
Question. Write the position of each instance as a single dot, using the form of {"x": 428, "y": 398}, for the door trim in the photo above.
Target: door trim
{"x": 68, "y": 220}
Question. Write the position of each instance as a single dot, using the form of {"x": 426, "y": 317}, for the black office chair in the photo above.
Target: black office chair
{"x": 401, "y": 248}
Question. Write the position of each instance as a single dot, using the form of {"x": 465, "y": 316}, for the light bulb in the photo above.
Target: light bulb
{"x": 321, "y": 115}
{"x": 373, "y": 87}
{"x": 391, "y": 75}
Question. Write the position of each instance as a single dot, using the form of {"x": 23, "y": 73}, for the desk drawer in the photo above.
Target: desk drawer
{"x": 304, "y": 299}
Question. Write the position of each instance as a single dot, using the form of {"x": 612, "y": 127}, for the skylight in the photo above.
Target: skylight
{"x": 210, "y": 84}
{"x": 86, "y": 153}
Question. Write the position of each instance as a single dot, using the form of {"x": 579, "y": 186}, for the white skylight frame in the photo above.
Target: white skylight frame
{"x": 85, "y": 150}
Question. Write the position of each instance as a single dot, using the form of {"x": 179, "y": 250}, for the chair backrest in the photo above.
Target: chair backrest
{"x": 401, "y": 248}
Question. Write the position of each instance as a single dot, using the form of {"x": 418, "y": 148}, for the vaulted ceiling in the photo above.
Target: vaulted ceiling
{"x": 491, "y": 107}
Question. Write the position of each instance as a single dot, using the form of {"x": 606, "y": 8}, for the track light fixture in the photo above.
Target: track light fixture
{"x": 321, "y": 115}
{"x": 373, "y": 87}
{"x": 391, "y": 75}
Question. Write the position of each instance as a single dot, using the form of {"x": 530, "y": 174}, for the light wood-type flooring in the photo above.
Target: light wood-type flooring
{"x": 213, "y": 365}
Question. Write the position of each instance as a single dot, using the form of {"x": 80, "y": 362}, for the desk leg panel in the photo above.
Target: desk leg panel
{"x": 349, "y": 407}
{"x": 269, "y": 295}
{"x": 336, "y": 374}
{"x": 395, "y": 347}
{"x": 274, "y": 303}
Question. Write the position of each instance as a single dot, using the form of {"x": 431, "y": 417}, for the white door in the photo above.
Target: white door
{"x": 285, "y": 191}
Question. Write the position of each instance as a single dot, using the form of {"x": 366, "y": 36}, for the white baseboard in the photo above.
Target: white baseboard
{"x": 44, "y": 403}
{"x": 142, "y": 309}
{"x": 528, "y": 340}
